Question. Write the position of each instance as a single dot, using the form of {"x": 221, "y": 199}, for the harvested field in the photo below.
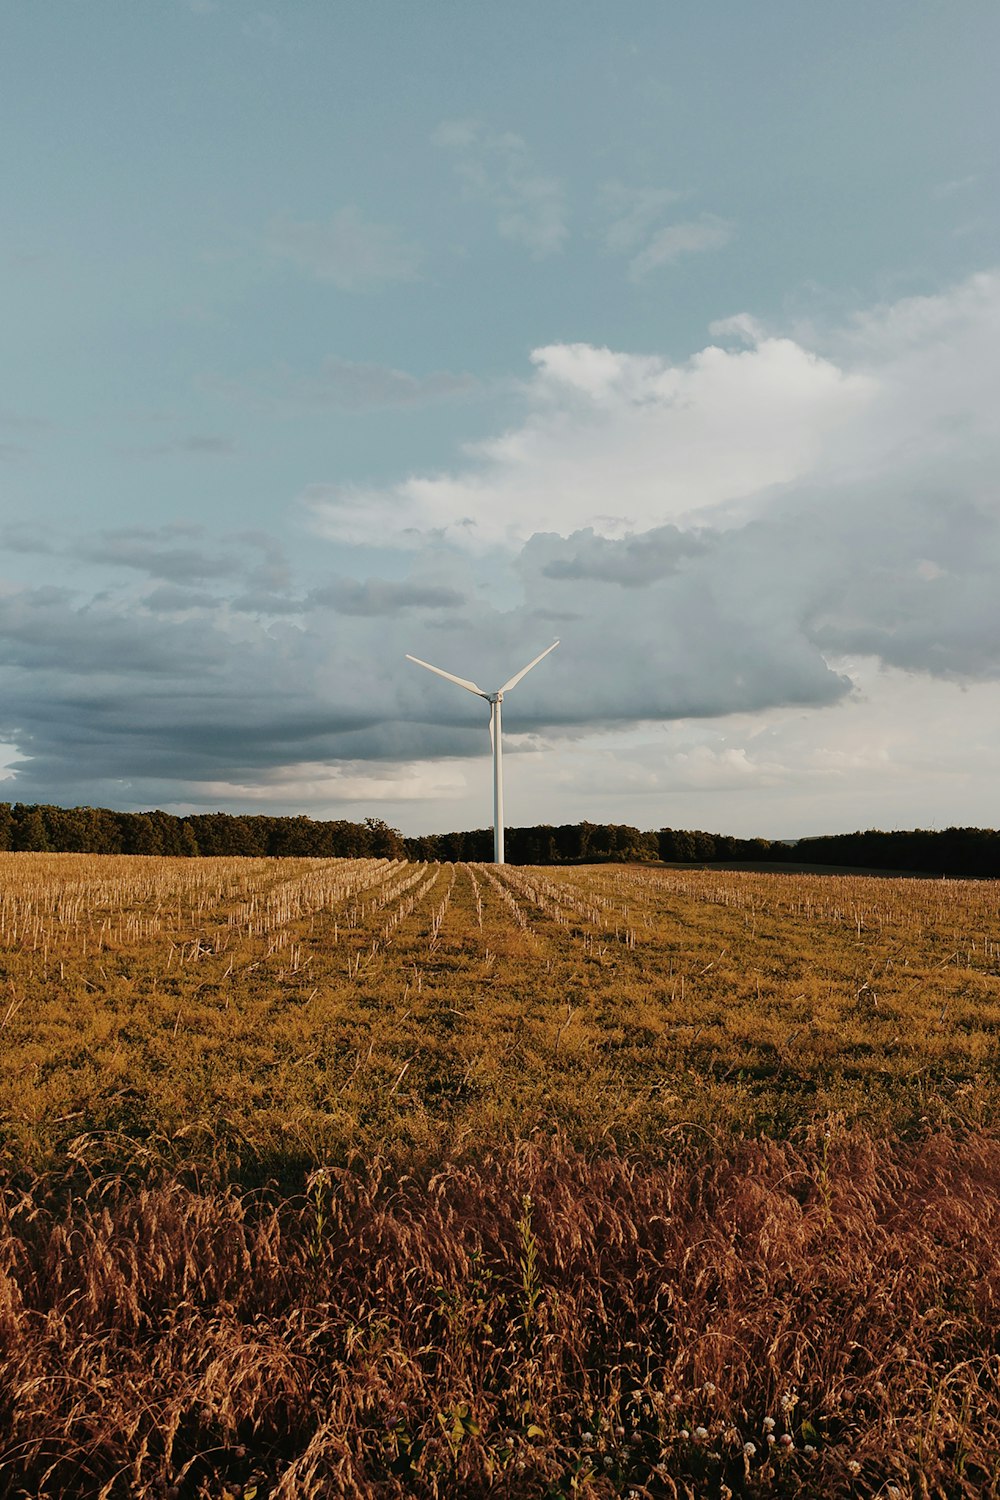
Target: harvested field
{"x": 361, "y": 1177}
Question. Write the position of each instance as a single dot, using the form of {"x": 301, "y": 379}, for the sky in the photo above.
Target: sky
{"x": 335, "y": 330}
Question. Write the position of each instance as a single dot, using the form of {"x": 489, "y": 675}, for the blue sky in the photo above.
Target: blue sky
{"x": 335, "y": 331}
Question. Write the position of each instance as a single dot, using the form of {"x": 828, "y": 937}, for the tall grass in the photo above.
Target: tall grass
{"x": 779, "y": 1319}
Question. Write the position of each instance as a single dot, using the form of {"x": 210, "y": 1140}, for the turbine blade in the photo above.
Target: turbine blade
{"x": 461, "y": 681}
{"x": 525, "y": 670}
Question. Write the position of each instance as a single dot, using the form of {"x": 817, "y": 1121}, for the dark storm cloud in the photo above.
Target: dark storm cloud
{"x": 272, "y": 573}
{"x": 634, "y": 562}
{"x": 927, "y": 597}
{"x": 48, "y": 631}
{"x": 106, "y": 700}
{"x": 100, "y": 699}
{"x": 889, "y": 548}
{"x": 266, "y": 602}
{"x": 155, "y": 552}
{"x": 25, "y": 536}
{"x": 171, "y": 599}
{"x": 380, "y": 596}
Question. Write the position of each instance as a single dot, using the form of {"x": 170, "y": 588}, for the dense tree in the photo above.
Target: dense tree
{"x": 88, "y": 830}
{"x": 29, "y": 831}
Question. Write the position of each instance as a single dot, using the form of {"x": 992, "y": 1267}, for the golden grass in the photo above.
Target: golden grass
{"x": 330, "y": 1177}
{"x": 266, "y": 1016}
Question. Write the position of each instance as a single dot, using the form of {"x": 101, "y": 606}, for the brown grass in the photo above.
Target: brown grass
{"x": 542, "y": 1323}
{"x": 361, "y": 1178}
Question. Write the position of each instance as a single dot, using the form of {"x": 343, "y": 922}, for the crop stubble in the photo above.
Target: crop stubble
{"x": 363, "y": 1178}
{"x": 269, "y": 1015}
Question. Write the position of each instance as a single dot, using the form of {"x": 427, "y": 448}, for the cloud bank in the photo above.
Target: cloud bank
{"x": 735, "y": 534}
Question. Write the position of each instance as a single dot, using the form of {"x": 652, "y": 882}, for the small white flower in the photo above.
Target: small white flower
{"x": 809, "y": 1450}
{"x": 768, "y": 1424}
{"x": 853, "y": 1466}
{"x": 708, "y": 1388}
{"x": 786, "y": 1440}
{"x": 701, "y": 1433}
{"x": 770, "y": 1440}
{"x": 749, "y": 1449}
{"x": 685, "y": 1434}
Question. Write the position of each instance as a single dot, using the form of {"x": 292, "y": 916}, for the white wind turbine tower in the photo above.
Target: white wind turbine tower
{"x": 494, "y": 700}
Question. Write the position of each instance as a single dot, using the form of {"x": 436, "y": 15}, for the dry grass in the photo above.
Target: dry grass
{"x": 365, "y": 1178}
{"x": 263, "y": 1017}
{"x": 542, "y": 1323}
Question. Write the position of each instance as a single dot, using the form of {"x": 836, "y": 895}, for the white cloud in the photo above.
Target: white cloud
{"x": 638, "y": 227}
{"x": 955, "y": 185}
{"x": 742, "y": 326}
{"x": 498, "y": 169}
{"x": 622, "y": 442}
{"x": 778, "y": 561}
{"x": 315, "y": 784}
{"x": 633, "y": 213}
{"x": 673, "y": 241}
{"x": 360, "y": 517}
{"x": 353, "y": 252}
{"x": 713, "y": 538}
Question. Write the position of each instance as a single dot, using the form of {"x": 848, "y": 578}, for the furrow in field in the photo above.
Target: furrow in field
{"x": 591, "y": 918}
{"x": 322, "y": 1006}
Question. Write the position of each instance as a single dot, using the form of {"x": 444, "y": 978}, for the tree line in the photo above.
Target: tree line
{"x": 98, "y": 830}
{"x": 589, "y": 843}
{"x": 959, "y": 852}
{"x": 101, "y": 830}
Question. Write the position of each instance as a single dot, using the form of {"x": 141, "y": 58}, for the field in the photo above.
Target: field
{"x": 362, "y": 1177}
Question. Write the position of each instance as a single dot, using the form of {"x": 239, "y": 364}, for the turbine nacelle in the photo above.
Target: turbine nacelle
{"x": 494, "y": 699}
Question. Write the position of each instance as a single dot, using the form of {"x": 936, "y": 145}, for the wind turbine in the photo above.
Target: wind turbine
{"x": 494, "y": 700}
